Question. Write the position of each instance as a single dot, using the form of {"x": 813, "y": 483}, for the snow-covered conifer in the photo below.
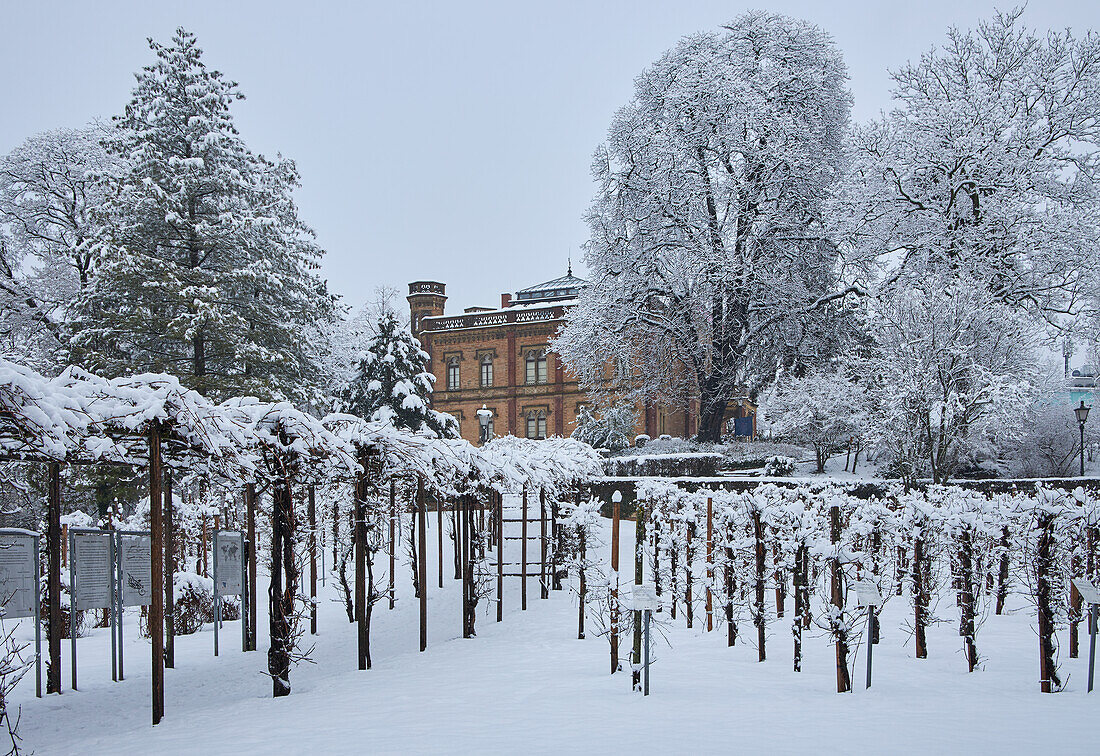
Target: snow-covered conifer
{"x": 392, "y": 383}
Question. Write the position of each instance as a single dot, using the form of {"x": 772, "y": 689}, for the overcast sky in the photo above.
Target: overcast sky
{"x": 447, "y": 141}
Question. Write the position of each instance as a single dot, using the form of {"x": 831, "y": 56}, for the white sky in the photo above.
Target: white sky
{"x": 448, "y": 141}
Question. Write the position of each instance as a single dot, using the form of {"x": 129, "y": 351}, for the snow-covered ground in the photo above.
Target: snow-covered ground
{"x": 527, "y": 685}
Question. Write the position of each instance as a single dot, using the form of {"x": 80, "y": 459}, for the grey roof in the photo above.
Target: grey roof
{"x": 565, "y": 287}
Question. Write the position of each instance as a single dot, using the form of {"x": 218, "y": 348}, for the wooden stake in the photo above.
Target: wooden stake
{"x": 53, "y": 580}
{"x": 393, "y": 537}
{"x": 523, "y": 555}
{"x": 614, "y": 587}
{"x": 639, "y": 567}
{"x": 170, "y": 576}
{"x": 156, "y": 609}
{"x": 311, "y": 513}
{"x": 422, "y": 518}
{"x": 758, "y": 585}
{"x": 544, "y": 586}
{"x": 500, "y": 556}
{"x": 439, "y": 537}
{"x": 689, "y": 559}
{"x": 710, "y": 563}
{"x": 250, "y": 507}
{"x": 359, "y": 534}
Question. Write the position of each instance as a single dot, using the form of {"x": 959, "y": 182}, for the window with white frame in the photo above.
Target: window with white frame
{"x": 536, "y": 424}
{"x": 486, "y": 370}
{"x": 536, "y": 366}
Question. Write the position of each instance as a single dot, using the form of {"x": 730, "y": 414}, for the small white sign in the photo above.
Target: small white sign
{"x": 867, "y": 594}
{"x": 1088, "y": 591}
{"x": 643, "y": 597}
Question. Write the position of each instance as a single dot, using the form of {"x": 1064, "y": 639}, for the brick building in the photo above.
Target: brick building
{"x": 500, "y": 359}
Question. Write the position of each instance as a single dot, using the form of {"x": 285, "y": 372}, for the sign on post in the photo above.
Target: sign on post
{"x": 20, "y": 590}
{"x": 135, "y": 550}
{"x": 228, "y": 576}
{"x": 867, "y": 595}
{"x": 644, "y": 599}
{"x": 228, "y": 553}
{"x": 134, "y": 579}
{"x": 1090, "y": 596}
{"x": 91, "y": 583}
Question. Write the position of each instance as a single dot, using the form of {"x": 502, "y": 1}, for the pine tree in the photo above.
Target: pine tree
{"x": 204, "y": 268}
{"x": 392, "y": 382}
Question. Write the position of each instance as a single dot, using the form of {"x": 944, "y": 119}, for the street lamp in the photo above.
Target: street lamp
{"x": 1082, "y": 413}
{"x": 484, "y": 417}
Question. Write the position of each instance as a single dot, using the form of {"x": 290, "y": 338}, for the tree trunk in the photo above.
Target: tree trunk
{"x": 1044, "y": 589}
{"x": 920, "y": 599}
{"x": 281, "y": 594}
{"x": 967, "y": 597}
{"x": 758, "y": 601}
{"x": 711, "y": 414}
{"x": 839, "y": 627}
{"x": 53, "y": 580}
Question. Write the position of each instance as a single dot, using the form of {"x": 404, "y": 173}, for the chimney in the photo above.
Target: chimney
{"x": 505, "y": 301}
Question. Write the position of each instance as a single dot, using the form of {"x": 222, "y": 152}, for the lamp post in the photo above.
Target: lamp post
{"x": 484, "y": 417}
{"x": 1082, "y": 413}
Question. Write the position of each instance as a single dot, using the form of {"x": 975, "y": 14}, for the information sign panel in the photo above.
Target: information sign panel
{"x": 228, "y": 556}
{"x": 135, "y": 554}
{"x": 91, "y": 568}
{"x": 1088, "y": 591}
{"x": 643, "y": 597}
{"x": 867, "y": 594}
{"x": 18, "y": 573}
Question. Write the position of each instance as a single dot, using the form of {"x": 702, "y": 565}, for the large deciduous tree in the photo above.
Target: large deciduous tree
{"x": 708, "y": 251}
{"x": 204, "y": 268}
{"x": 987, "y": 167}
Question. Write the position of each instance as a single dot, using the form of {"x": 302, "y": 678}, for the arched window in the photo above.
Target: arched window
{"x": 536, "y": 366}
{"x": 536, "y": 424}
{"x": 452, "y": 374}
{"x": 486, "y": 370}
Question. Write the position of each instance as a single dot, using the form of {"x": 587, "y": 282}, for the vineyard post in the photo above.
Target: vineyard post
{"x": 639, "y": 566}
{"x": 616, "y": 499}
{"x": 710, "y": 563}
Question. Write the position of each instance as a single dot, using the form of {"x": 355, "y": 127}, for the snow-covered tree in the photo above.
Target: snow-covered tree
{"x": 825, "y": 410}
{"x": 708, "y": 256}
{"x": 50, "y": 188}
{"x": 203, "y": 267}
{"x": 987, "y": 166}
{"x": 953, "y": 370}
{"x": 392, "y": 382}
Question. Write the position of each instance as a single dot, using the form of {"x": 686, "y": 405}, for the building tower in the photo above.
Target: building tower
{"x": 426, "y": 298}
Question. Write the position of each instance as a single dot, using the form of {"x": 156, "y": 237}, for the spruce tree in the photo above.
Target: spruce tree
{"x": 204, "y": 268}
{"x": 392, "y": 382}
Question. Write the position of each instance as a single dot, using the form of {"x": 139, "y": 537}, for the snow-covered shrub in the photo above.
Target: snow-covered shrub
{"x": 641, "y": 440}
{"x": 194, "y": 596}
{"x": 664, "y": 437}
{"x": 778, "y": 467}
